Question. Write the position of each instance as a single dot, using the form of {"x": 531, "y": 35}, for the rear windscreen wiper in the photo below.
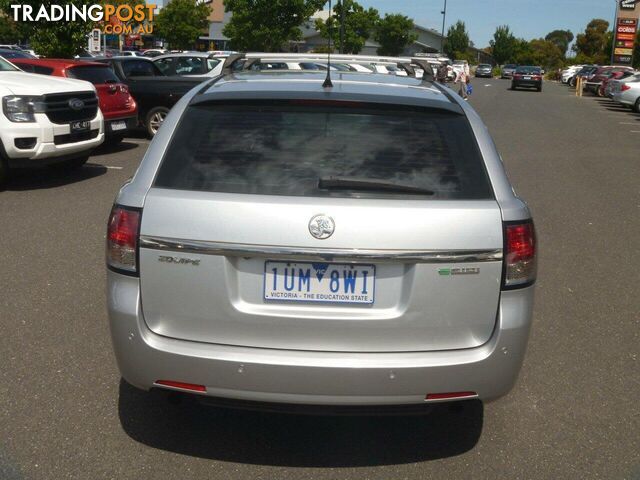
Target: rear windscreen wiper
{"x": 369, "y": 184}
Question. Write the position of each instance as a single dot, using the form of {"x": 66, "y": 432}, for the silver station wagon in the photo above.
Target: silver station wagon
{"x": 288, "y": 244}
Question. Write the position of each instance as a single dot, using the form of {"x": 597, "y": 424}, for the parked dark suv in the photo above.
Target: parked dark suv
{"x": 154, "y": 92}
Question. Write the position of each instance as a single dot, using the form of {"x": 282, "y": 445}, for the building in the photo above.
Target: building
{"x": 214, "y": 39}
{"x": 427, "y": 41}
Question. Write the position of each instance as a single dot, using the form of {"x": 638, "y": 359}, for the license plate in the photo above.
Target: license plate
{"x": 319, "y": 282}
{"x": 527, "y": 78}
{"x": 116, "y": 126}
{"x": 77, "y": 127}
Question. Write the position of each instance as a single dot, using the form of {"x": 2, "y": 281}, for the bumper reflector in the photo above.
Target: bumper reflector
{"x": 450, "y": 395}
{"x": 184, "y": 386}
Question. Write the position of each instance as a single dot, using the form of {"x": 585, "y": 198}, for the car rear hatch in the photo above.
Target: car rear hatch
{"x": 114, "y": 97}
{"x": 322, "y": 227}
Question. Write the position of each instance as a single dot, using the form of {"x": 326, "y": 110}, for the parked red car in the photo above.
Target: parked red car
{"x": 118, "y": 107}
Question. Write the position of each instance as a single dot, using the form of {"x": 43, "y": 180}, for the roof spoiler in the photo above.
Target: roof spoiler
{"x": 231, "y": 61}
{"x": 428, "y": 75}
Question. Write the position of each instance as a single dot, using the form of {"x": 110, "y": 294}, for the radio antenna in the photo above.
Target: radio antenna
{"x": 327, "y": 81}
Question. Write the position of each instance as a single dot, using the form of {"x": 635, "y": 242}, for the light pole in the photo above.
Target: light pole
{"x": 444, "y": 18}
{"x": 341, "y": 26}
{"x": 615, "y": 30}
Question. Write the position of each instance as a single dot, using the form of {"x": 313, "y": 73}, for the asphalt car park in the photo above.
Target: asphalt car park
{"x": 573, "y": 412}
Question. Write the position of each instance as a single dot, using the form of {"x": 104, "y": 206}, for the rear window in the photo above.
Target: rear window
{"x": 212, "y": 63}
{"x": 284, "y": 149}
{"x": 529, "y": 70}
{"x": 139, "y": 68}
{"x": 93, "y": 74}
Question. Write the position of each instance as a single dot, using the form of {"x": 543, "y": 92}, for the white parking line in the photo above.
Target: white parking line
{"x": 626, "y": 123}
{"x": 98, "y": 165}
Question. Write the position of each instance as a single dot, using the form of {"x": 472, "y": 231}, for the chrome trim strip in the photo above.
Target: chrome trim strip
{"x": 347, "y": 255}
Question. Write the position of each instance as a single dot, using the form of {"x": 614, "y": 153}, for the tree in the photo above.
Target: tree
{"x": 546, "y": 54}
{"x": 359, "y": 24}
{"x": 8, "y": 30}
{"x": 265, "y": 25}
{"x": 457, "y": 41}
{"x": 594, "y": 44}
{"x": 394, "y": 32}
{"x": 503, "y": 45}
{"x": 561, "y": 39}
{"x": 181, "y": 22}
{"x": 522, "y": 52}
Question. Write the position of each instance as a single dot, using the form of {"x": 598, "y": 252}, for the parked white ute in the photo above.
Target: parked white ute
{"x": 46, "y": 120}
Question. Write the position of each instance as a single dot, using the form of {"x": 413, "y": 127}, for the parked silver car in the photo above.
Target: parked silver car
{"x": 508, "y": 70}
{"x": 627, "y": 92}
{"x": 354, "y": 245}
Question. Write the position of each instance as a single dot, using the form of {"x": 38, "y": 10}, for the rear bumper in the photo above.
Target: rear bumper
{"x": 624, "y": 98}
{"x": 527, "y": 83}
{"x": 131, "y": 122}
{"x": 317, "y": 378}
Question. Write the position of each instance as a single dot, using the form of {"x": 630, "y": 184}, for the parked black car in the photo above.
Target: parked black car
{"x": 585, "y": 72}
{"x": 154, "y": 92}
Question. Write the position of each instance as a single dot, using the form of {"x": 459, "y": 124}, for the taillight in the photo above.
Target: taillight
{"x": 124, "y": 89}
{"x": 122, "y": 239}
{"x": 624, "y": 87}
{"x": 519, "y": 254}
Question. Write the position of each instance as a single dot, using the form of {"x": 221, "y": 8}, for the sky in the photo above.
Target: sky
{"x": 528, "y": 19}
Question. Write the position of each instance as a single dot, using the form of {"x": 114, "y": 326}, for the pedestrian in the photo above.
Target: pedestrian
{"x": 461, "y": 79}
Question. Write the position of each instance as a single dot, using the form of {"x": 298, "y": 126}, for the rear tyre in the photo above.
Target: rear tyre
{"x": 73, "y": 164}
{"x": 154, "y": 120}
{"x": 539, "y": 89}
{"x": 636, "y": 107}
